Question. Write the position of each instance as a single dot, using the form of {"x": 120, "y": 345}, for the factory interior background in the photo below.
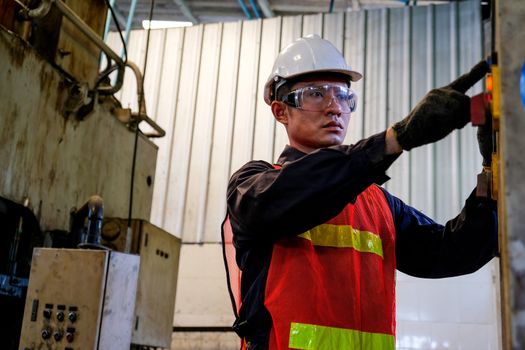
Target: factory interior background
{"x": 140, "y": 142}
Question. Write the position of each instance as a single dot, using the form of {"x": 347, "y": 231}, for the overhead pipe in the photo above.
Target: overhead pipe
{"x": 121, "y": 65}
{"x": 266, "y": 8}
{"x": 254, "y": 7}
{"x": 84, "y": 28}
{"x": 142, "y": 115}
{"x": 245, "y": 9}
{"x": 40, "y": 11}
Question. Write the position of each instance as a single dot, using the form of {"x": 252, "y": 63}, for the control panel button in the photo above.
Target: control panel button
{"x": 60, "y": 316}
{"x": 58, "y": 335}
{"x": 72, "y": 316}
{"x": 46, "y": 333}
{"x": 47, "y": 313}
{"x": 70, "y": 336}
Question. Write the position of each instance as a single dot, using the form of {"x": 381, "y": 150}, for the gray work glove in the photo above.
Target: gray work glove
{"x": 485, "y": 141}
{"x": 440, "y": 112}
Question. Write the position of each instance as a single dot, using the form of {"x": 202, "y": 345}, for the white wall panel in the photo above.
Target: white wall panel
{"x": 333, "y": 26}
{"x": 313, "y": 24}
{"x": 183, "y": 131}
{"x": 198, "y": 174}
{"x": 263, "y": 143}
{"x": 246, "y": 94}
{"x": 223, "y": 129}
{"x": 422, "y": 80}
{"x": 398, "y": 91}
{"x": 355, "y": 55}
{"x": 291, "y": 29}
{"x": 153, "y": 73}
{"x": 446, "y": 177}
{"x": 375, "y": 74}
{"x": 165, "y": 116}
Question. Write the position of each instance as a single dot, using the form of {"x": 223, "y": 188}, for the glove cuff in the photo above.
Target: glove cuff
{"x": 402, "y": 137}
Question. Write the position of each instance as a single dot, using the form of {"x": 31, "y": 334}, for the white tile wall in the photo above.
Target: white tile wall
{"x": 202, "y": 297}
{"x": 453, "y": 313}
{"x": 205, "y": 341}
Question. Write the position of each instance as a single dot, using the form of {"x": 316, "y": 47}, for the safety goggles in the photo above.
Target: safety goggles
{"x": 318, "y": 98}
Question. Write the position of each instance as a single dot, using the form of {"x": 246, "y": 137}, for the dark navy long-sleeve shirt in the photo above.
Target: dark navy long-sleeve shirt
{"x": 266, "y": 203}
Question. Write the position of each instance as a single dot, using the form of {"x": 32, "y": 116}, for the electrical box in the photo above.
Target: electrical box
{"x": 80, "y": 299}
{"x": 159, "y": 262}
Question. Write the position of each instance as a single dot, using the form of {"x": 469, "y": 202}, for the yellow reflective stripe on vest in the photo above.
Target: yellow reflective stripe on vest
{"x": 344, "y": 236}
{"x": 309, "y": 337}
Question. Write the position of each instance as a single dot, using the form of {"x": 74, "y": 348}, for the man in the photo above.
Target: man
{"x": 317, "y": 240}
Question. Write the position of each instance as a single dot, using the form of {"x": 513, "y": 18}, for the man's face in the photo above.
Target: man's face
{"x": 309, "y": 131}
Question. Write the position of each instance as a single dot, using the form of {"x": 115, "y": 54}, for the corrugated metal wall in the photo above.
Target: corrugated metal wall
{"x": 204, "y": 86}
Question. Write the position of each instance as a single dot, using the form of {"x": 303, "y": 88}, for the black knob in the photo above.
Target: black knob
{"x": 70, "y": 337}
{"x": 60, "y": 316}
{"x": 46, "y": 334}
{"x": 72, "y": 316}
{"x": 58, "y": 335}
{"x": 47, "y": 313}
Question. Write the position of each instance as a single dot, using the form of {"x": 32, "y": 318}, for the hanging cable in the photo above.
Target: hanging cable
{"x": 109, "y": 68}
{"x": 137, "y": 130}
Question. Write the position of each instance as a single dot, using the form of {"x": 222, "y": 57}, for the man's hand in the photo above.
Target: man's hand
{"x": 440, "y": 112}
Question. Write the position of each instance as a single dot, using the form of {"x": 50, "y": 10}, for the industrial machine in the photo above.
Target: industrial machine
{"x": 78, "y": 293}
{"x": 117, "y": 293}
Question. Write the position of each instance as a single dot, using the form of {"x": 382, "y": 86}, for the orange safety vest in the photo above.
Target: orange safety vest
{"x": 333, "y": 287}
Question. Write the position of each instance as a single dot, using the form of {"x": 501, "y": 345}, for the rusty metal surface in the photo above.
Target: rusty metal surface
{"x": 511, "y": 55}
{"x": 75, "y": 53}
{"x": 45, "y": 32}
{"x": 58, "y": 162}
{"x": 7, "y": 13}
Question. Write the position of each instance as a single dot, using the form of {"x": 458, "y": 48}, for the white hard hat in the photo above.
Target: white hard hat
{"x": 310, "y": 54}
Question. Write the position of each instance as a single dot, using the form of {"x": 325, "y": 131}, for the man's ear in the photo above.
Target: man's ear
{"x": 280, "y": 112}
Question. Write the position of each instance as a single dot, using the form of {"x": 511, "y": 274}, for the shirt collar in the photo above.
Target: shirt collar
{"x": 289, "y": 154}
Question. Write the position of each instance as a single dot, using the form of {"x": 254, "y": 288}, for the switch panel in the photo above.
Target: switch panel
{"x": 88, "y": 298}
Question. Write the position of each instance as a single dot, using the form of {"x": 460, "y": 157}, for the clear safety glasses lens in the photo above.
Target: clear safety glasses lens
{"x": 318, "y": 98}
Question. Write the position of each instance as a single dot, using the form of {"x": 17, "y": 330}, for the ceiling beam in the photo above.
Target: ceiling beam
{"x": 266, "y": 8}
{"x": 186, "y": 11}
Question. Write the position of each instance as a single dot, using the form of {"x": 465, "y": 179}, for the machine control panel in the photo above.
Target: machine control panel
{"x": 56, "y": 328}
{"x": 79, "y": 299}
